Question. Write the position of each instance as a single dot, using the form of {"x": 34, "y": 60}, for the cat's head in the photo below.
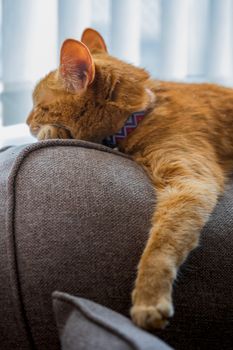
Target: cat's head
{"x": 91, "y": 94}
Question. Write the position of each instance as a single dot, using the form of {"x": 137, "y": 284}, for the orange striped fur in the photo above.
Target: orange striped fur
{"x": 185, "y": 144}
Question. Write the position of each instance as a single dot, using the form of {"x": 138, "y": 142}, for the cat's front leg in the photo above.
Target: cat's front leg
{"x": 182, "y": 210}
{"x": 152, "y": 296}
{"x": 47, "y": 132}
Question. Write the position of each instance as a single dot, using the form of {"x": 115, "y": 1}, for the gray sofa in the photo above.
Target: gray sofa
{"x": 74, "y": 217}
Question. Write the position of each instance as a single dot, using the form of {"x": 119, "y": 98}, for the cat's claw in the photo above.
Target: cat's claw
{"x": 152, "y": 317}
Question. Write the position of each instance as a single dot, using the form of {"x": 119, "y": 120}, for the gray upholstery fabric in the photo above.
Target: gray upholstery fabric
{"x": 85, "y": 325}
{"x": 63, "y": 206}
{"x": 13, "y": 328}
{"x": 75, "y": 216}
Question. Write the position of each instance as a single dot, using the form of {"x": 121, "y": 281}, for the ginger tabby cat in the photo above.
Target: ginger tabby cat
{"x": 185, "y": 144}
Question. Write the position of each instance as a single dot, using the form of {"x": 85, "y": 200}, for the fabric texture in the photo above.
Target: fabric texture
{"x": 75, "y": 217}
{"x": 85, "y": 325}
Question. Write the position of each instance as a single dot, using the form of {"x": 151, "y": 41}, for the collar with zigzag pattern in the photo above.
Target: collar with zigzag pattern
{"x": 129, "y": 126}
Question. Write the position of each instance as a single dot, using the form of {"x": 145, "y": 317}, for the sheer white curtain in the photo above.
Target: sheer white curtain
{"x": 190, "y": 40}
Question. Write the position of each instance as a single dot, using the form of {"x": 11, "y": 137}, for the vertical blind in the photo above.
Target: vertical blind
{"x": 188, "y": 40}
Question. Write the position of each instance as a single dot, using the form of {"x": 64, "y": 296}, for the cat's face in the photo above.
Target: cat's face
{"x": 91, "y": 94}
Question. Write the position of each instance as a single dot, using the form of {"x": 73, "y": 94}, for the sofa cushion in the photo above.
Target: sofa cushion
{"x": 63, "y": 222}
{"x": 75, "y": 216}
{"x": 86, "y": 325}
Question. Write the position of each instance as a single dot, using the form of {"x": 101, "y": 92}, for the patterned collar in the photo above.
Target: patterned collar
{"x": 129, "y": 126}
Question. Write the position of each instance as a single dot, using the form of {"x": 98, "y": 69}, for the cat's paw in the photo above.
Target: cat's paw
{"x": 48, "y": 132}
{"x": 152, "y": 316}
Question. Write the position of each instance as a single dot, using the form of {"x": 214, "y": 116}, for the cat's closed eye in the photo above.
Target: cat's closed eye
{"x": 44, "y": 108}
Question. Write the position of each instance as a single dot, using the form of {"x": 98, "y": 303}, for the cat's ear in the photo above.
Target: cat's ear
{"x": 93, "y": 40}
{"x": 77, "y": 68}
